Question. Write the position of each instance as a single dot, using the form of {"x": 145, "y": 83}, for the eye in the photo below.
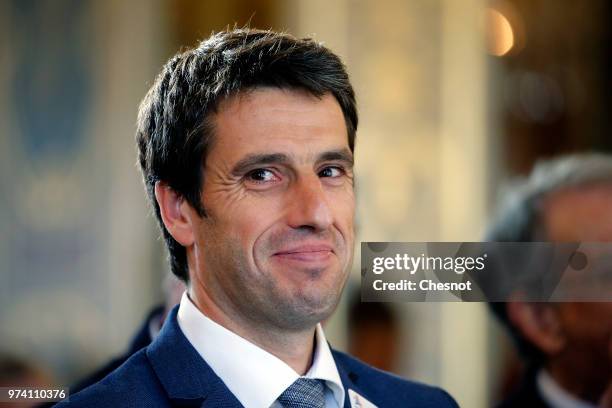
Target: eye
{"x": 331, "y": 171}
{"x": 262, "y": 176}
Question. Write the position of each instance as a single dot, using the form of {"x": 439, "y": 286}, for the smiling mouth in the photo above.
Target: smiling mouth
{"x": 307, "y": 253}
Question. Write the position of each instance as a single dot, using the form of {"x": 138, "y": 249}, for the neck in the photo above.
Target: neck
{"x": 294, "y": 347}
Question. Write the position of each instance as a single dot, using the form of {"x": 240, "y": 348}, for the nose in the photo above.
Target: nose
{"x": 309, "y": 207}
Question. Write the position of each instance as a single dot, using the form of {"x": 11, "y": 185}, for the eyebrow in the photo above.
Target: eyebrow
{"x": 342, "y": 155}
{"x": 254, "y": 160}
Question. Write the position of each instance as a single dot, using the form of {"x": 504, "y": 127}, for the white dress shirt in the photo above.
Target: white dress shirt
{"x": 255, "y": 377}
{"x": 555, "y": 396}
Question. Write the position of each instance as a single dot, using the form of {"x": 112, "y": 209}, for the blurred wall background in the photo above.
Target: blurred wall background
{"x": 454, "y": 99}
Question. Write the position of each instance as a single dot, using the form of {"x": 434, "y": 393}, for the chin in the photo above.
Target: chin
{"x": 304, "y": 312}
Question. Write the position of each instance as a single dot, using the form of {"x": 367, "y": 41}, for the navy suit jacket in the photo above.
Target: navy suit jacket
{"x": 171, "y": 373}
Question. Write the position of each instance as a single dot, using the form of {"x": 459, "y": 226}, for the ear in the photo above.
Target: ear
{"x": 539, "y": 323}
{"x": 176, "y": 213}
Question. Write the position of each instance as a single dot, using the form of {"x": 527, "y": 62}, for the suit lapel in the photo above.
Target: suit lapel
{"x": 349, "y": 380}
{"x": 187, "y": 379}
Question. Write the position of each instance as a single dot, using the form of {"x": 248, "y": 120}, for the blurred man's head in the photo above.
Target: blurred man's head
{"x": 565, "y": 200}
{"x": 246, "y": 146}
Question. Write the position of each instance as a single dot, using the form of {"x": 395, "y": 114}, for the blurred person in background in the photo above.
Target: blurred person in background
{"x": 567, "y": 346}
{"x": 373, "y": 333}
{"x": 148, "y": 331}
{"x": 246, "y": 147}
{"x": 18, "y": 373}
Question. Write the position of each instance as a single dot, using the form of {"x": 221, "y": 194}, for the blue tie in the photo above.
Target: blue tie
{"x": 304, "y": 393}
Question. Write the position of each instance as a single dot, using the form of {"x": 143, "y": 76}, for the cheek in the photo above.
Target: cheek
{"x": 252, "y": 222}
{"x": 342, "y": 198}
{"x": 343, "y": 208}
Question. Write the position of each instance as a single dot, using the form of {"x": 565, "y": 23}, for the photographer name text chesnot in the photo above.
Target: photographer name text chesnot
{"x": 424, "y": 285}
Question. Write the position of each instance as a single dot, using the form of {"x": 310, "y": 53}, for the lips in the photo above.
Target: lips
{"x": 306, "y": 253}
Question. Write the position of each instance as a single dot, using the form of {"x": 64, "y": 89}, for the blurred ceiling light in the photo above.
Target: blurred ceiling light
{"x": 500, "y": 36}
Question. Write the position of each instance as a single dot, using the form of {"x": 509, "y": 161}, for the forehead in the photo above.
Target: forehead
{"x": 270, "y": 119}
{"x": 579, "y": 214}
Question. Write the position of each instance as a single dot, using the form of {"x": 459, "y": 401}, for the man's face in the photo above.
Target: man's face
{"x": 584, "y": 215}
{"x": 277, "y": 243}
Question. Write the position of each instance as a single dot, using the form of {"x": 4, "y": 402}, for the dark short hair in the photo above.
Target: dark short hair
{"x": 521, "y": 219}
{"x": 174, "y": 130}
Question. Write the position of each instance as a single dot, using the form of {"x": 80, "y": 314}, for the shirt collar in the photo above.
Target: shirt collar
{"x": 241, "y": 364}
{"x": 556, "y": 396}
